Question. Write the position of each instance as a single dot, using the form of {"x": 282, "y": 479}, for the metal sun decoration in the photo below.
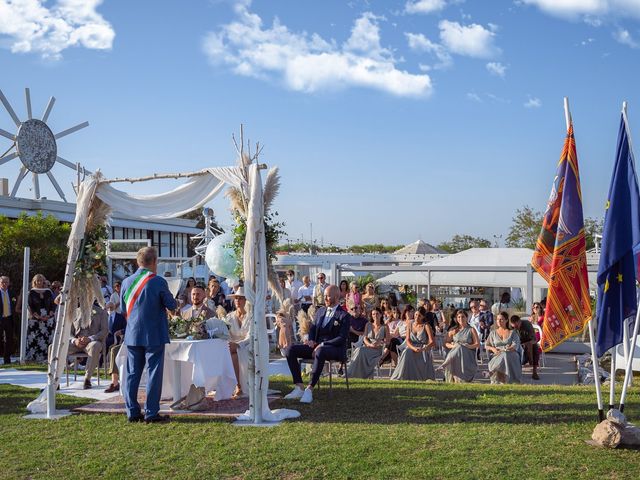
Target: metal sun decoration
{"x": 35, "y": 145}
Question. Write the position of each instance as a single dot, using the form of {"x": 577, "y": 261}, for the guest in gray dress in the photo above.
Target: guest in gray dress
{"x": 460, "y": 364}
{"x": 415, "y": 362}
{"x": 505, "y": 366}
{"x": 364, "y": 359}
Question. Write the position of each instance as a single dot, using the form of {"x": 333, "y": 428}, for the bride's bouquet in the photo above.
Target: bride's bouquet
{"x": 188, "y": 328}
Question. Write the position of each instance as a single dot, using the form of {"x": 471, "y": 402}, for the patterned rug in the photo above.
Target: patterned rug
{"x": 220, "y": 408}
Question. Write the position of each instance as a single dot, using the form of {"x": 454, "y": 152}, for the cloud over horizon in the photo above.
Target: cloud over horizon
{"x": 307, "y": 62}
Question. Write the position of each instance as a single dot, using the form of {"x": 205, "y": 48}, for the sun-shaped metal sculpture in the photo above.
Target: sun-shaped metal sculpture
{"x": 35, "y": 145}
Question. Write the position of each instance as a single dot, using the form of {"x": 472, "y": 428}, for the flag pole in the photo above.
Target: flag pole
{"x": 627, "y": 371}
{"x": 612, "y": 378}
{"x": 634, "y": 337}
{"x": 594, "y": 358}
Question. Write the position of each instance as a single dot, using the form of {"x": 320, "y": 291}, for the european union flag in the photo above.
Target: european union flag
{"x": 620, "y": 244}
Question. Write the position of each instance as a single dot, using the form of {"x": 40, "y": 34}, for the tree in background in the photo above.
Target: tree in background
{"x": 527, "y": 222}
{"x": 300, "y": 247}
{"x": 47, "y": 238}
{"x": 463, "y": 242}
{"x": 592, "y": 227}
{"x": 525, "y": 228}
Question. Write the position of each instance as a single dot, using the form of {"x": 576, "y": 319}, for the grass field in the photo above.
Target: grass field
{"x": 377, "y": 429}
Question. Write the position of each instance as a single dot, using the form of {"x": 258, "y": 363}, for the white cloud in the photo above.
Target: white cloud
{"x": 533, "y": 102}
{"x": 588, "y": 9}
{"x": 623, "y": 36}
{"x": 474, "y": 97}
{"x": 471, "y": 40}
{"x": 496, "y": 68}
{"x": 424, "y": 6}
{"x": 33, "y": 27}
{"x": 419, "y": 43}
{"x": 309, "y": 63}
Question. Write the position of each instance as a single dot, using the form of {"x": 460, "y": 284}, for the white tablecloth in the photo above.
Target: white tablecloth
{"x": 205, "y": 363}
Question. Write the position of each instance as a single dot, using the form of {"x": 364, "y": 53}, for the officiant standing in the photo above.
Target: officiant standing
{"x": 145, "y": 300}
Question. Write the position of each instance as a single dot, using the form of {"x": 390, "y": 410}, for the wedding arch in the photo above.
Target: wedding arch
{"x": 98, "y": 199}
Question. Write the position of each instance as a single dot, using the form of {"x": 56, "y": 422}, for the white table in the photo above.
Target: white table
{"x": 204, "y": 363}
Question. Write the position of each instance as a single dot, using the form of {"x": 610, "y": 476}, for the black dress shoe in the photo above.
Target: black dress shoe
{"x": 87, "y": 385}
{"x": 158, "y": 419}
{"x": 137, "y": 418}
{"x": 112, "y": 388}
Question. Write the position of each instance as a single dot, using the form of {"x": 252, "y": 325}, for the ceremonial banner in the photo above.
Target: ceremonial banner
{"x": 620, "y": 242}
{"x": 560, "y": 254}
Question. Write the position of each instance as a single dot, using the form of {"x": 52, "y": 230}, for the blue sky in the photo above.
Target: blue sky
{"x": 390, "y": 120}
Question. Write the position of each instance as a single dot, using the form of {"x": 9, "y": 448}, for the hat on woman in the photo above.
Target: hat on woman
{"x": 238, "y": 293}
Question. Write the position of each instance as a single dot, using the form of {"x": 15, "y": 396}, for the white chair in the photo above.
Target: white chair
{"x": 538, "y": 330}
{"x": 271, "y": 329}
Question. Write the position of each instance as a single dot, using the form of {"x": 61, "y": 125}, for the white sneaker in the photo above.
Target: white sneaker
{"x": 307, "y": 396}
{"x": 295, "y": 394}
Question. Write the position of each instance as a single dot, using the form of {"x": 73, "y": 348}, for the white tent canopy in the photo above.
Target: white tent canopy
{"x": 476, "y": 258}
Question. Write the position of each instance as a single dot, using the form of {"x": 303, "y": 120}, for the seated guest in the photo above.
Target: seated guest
{"x": 305, "y": 293}
{"x": 198, "y": 307}
{"x": 370, "y": 298}
{"x": 89, "y": 340}
{"x": 486, "y": 319}
{"x": 358, "y": 323}
{"x": 415, "y": 362}
{"x": 215, "y": 295}
{"x": 364, "y": 359}
{"x": 116, "y": 323}
{"x": 327, "y": 341}
{"x": 344, "y": 291}
{"x": 504, "y": 343}
{"x": 239, "y": 324}
{"x": 397, "y": 333}
{"x": 460, "y": 365}
{"x": 190, "y": 284}
{"x": 318, "y": 290}
{"x": 354, "y": 298}
{"x": 529, "y": 343}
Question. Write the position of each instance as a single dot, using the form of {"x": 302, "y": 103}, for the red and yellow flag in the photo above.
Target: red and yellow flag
{"x": 560, "y": 256}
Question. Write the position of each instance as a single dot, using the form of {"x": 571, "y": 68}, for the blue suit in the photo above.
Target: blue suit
{"x": 147, "y": 333}
{"x": 333, "y": 337}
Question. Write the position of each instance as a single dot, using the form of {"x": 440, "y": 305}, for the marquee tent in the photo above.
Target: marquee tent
{"x": 449, "y": 270}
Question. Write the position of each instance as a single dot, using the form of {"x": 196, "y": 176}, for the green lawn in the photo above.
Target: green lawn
{"x": 377, "y": 429}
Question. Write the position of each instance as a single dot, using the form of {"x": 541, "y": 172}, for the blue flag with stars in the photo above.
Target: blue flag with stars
{"x": 617, "y": 270}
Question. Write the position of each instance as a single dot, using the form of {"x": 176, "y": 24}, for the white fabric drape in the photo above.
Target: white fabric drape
{"x": 255, "y": 287}
{"x": 187, "y": 197}
{"x": 66, "y": 312}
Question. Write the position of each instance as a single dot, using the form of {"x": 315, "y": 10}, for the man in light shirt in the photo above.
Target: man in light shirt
{"x": 305, "y": 294}
{"x": 293, "y": 285}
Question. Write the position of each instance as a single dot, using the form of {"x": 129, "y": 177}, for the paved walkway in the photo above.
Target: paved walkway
{"x": 559, "y": 369}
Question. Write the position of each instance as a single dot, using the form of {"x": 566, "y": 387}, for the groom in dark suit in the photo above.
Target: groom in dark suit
{"x": 327, "y": 341}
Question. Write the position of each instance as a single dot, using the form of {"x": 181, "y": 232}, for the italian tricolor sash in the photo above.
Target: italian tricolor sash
{"x": 134, "y": 290}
